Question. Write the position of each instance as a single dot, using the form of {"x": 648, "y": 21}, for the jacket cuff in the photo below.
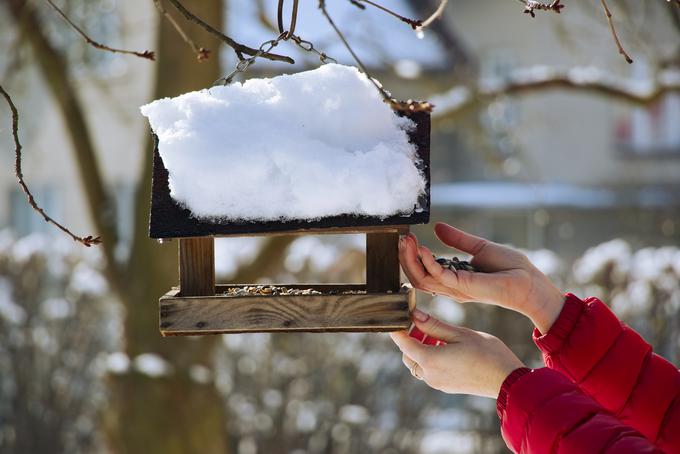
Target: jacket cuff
{"x": 510, "y": 380}
{"x": 552, "y": 341}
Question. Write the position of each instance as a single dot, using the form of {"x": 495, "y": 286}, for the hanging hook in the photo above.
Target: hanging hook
{"x": 293, "y": 19}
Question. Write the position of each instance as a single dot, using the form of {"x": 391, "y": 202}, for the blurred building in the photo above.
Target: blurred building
{"x": 563, "y": 170}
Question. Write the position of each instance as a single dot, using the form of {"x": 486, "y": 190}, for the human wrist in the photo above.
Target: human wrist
{"x": 547, "y": 308}
{"x": 504, "y": 371}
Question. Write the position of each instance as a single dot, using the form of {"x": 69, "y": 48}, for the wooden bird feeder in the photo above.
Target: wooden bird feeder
{"x": 199, "y": 306}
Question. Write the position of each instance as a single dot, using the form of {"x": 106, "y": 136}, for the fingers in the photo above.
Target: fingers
{"x": 408, "y": 257}
{"x": 434, "y": 327}
{"x": 434, "y": 269}
{"x": 413, "y": 367}
{"x": 410, "y": 347}
{"x": 408, "y": 362}
{"x": 457, "y": 281}
{"x": 463, "y": 241}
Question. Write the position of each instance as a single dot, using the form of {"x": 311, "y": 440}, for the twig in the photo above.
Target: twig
{"x": 536, "y": 80}
{"x": 202, "y": 53}
{"x": 613, "y": 30}
{"x": 322, "y": 6}
{"x": 531, "y": 5}
{"x": 87, "y": 240}
{"x": 414, "y": 23}
{"x": 239, "y": 48}
{"x": 149, "y": 55}
{"x": 437, "y": 14}
{"x": 394, "y": 104}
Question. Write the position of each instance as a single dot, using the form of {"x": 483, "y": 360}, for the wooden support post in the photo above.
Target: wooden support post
{"x": 197, "y": 266}
{"x": 382, "y": 262}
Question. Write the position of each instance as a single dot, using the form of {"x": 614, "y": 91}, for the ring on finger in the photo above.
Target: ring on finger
{"x": 414, "y": 371}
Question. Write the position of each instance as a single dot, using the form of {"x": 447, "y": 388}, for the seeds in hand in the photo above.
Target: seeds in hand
{"x": 454, "y": 264}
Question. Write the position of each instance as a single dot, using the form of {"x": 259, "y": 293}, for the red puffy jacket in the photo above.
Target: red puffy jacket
{"x": 602, "y": 390}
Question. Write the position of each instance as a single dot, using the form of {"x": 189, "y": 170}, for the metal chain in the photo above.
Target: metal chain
{"x": 266, "y": 47}
{"x": 293, "y": 19}
{"x": 309, "y": 47}
{"x": 243, "y": 65}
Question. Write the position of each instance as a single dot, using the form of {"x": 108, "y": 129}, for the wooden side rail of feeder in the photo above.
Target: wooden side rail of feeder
{"x": 200, "y": 306}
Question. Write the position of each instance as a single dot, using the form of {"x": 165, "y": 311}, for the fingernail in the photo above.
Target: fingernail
{"x": 420, "y": 315}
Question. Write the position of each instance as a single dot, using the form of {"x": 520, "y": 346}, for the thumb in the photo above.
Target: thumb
{"x": 434, "y": 327}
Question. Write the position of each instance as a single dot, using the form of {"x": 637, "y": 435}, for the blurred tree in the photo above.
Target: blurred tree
{"x": 173, "y": 413}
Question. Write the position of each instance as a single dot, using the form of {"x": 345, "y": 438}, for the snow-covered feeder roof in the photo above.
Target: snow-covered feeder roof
{"x": 303, "y": 147}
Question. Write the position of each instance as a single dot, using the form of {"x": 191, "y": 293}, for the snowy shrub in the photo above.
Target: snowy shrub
{"x": 341, "y": 393}
{"x": 56, "y": 327}
{"x": 642, "y": 287}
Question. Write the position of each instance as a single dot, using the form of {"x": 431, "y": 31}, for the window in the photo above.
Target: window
{"x": 652, "y": 130}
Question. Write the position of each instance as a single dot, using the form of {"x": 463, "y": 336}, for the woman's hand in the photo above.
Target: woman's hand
{"x": 470, "y": 363}
{"x": 507, "y": 278}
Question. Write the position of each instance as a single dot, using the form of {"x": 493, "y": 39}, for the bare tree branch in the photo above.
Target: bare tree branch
{"x": 239, "y": 48}
{"x": 202, "y": 53}
{"x": 410, "y": 105}
{"x": 613, "y": 30}
{"x": 54, "y": 70}
{"x": 540, "y": 79}
{"x": 414, "y": 23}
{"x": 85, "y": 240}
{"x": 436, "y": 15}
{"x": 531, "y": 5}
{"x": 322, "y": 6}
{"x": 146, "y": 54}
{"x": 458, "y": 58}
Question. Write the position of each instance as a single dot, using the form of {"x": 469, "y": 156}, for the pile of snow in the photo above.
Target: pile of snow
{"x": 302, "y": 146}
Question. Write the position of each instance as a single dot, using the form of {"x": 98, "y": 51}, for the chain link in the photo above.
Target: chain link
{"x": 266, "y": 47}
{"x": 243, "y": 65}
{"x": 309, "y": 47}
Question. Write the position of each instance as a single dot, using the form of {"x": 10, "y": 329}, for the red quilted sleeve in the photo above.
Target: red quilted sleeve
{"x": 542, "y": 411}
{"x": 611, "y": 363}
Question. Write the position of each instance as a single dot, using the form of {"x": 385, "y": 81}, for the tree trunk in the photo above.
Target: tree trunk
{"x": 173, "y": 414}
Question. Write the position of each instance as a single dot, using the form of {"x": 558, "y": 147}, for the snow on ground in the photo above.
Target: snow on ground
{"x": 303, "y": 146}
